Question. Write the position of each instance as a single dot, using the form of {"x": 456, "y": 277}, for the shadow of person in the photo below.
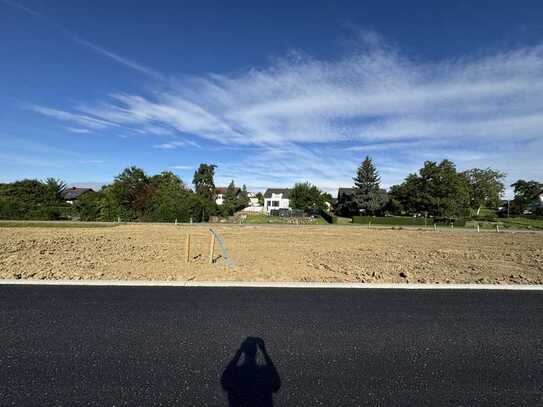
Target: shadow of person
{"x": 250, "y": 384}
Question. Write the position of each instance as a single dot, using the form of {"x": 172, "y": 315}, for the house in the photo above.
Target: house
{"x": 276, "y": 198}
{"x": 70, "y": 195}
{"x": 220, "y": 194}
{"x": 254, "y": 206}
{"x": 253, "y": 199}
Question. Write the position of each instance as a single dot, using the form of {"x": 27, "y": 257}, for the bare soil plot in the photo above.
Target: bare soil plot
{"x": 272, "y": 253}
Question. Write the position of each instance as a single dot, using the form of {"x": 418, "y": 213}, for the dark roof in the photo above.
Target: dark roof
{"x": 270, "y": 191}
{"x": 222, "y": 190}
{"x": 73, "y": 193}
{"x": 344, "y": 191}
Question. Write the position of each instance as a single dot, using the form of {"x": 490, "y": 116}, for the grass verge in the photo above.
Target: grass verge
{"x": 267, "y": 219}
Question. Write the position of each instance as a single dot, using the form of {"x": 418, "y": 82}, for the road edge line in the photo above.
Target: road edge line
{"x": 256, "y": 284}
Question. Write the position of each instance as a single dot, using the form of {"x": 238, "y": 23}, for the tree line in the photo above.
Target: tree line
{"x": 133, "y": 196}
{"x": 437, "y": 190}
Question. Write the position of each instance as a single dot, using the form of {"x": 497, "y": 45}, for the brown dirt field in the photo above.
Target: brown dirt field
{"x": 272, "y": 253}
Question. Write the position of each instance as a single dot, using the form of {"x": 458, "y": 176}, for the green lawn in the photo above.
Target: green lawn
{"x": 523, "y": 223}
{"x": 486, "y": 212}
{"x": 508, "y": 223}
{"x": 344, "y": 221}
{"x": 54, "y": 224}
{"x": 267, "y": 219}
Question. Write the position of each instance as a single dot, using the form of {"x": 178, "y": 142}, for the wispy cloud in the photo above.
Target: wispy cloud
{"x": 314, "y": 119}
{"x": 87, "y": 122}
{"x": 78, "y": 130}
{"x": 88, "y": 44}
{"x": 182, "y": 167}
{"x": 173, "y": 145}
{"x": 15, "y": 4}
{"x": 117, "y": 58}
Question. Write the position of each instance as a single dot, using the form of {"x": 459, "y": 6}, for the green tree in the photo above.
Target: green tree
{"x": 327, "y": 197}
{"x": 243, "y": 198}
{"x": 230, "y": 203}
{"x": 87, "y": 206}
{"x": 169, "y": 200}
{"x": 27, "y": 199}
{"x": 260, "y": 198}
{"x": 54, "y": 190}
{"x": 367, "y": 193}
{"x": 201, "y": 208}
{"x": 437, "y": 190}
{"x": 306, "y": 196}
{"x": 526, "y": 194}
{"x": 485, "y": 188}
{"x": 204, "y": 184}
{"x": 130, "y": 194}
{"x": 109, "y": 204}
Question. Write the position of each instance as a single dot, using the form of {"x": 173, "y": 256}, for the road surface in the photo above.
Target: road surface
{"x": 66, "y": 345}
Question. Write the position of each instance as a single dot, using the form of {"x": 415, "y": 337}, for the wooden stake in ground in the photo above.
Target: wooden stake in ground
{"x": 211, "y": 248}
{"x": 435, "y": 228}
{"x": 187, "y": 248}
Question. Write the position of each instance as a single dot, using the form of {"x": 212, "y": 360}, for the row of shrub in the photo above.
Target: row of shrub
{"x": 407, "y": 221}
{"x": 329, "y": 218}
{"x": 14, "y": 210}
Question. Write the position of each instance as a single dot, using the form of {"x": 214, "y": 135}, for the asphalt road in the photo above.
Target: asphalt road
{"x": 331, "y": 347}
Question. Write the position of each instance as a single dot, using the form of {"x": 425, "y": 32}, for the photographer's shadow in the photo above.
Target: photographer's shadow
{"x": 250, "y": 384}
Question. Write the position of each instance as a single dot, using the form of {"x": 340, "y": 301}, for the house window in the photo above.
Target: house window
{"x": 275, "y": 203}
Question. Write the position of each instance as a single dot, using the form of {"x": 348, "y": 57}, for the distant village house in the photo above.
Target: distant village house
{"x": 70, "y": 195}
{"x": 220, "y": 194}
{"x": 276, "y": 198}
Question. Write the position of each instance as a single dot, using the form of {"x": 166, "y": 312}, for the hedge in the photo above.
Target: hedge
{"x": 328, "y": 217}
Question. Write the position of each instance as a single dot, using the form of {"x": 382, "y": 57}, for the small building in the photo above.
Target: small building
{"x": 253, "y": 199}
{"x": 70, "y": 195}
{"x": 220, "y": 194}
{"x": 276, "y": 198}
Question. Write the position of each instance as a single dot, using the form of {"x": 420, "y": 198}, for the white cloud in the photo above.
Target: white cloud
{"x": 78, "y": 130}
{"x": 182, "y": 167}
{"x": 173, "y": 145}
{"x": 302, "y": 115}
{"x": 85, "y": 121}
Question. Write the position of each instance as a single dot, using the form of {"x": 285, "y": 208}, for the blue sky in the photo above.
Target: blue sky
{"x": 271, "y": 92}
